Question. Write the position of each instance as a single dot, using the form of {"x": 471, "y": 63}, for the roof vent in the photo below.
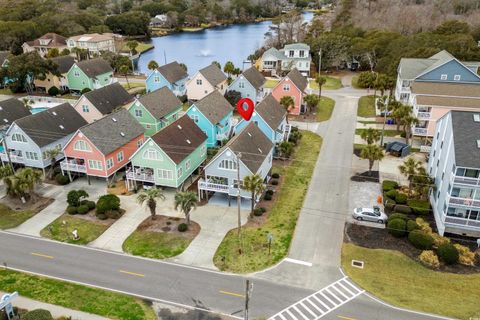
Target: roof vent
{"x": 260, "y": 150}
{"x": 478, "y": 144}
{"x": 476, "y": 117}
{"x": 5, "y": 120}
{"x": 122, "y": 134}
{"x": 249, "y": 134}
{"x": 179, "y": 126}
{"x": 1, "y": 108}
{"x": 54, "y": 113}
{"x": 189, "y": 142}
{"x": 61, "y": 127}
{"x": 114, "y": 119}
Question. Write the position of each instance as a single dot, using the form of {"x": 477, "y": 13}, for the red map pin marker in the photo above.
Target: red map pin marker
{"x": 245, "y": 113}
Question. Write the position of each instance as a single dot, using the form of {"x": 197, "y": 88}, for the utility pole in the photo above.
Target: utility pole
{"x": 385, "y": 104}
{"x": 248, "y": 292}
{"x": 239, "y": 199}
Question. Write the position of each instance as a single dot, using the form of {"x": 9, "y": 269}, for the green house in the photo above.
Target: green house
{"x": 169, "y": 157}
{"x": 156, "y": 110}
{"x": 92, "y": 74}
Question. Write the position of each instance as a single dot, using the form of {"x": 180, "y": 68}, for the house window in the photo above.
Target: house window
{"x": 203, "y": 150}
{"x": 179, "y": 172}
{"x": 194, "y": 117}
{"x": 148, "y": 126}
{"x": 95, "y": 165}
{"x": 31, "y": 155}
{"x": 109, "y": 163}
{"x": 156, "y": 79}
{"x": 120, "y": 157}
{"x": 187, "y": 164}
{"x": 76, "y": 73}
{"x": 301, "y": 53}
{"x": 443, "y": 77}
{"x": 241, "y": 84}
{"x": 152, "y": 154}
{"x": 228, "y": 165}
{"x": 290, "y": 53}
{"x": 286, "y": 87}
{"x": 138, "y": 113}
{"x": 199, "y": 82}
{"x": 165, "y": 174}
{"x": 456, "y": 77}
{"x": 19, "y": 137}
{"x": 85, "y": 108}
{"x": 139, "y": 143}
{"x": 81, "y": 145}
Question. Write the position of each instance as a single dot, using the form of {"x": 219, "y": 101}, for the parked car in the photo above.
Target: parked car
{"x": 369, "y": 214}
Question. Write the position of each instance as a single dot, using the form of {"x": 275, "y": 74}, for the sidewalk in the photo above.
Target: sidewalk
{"x": 57, "y": 311}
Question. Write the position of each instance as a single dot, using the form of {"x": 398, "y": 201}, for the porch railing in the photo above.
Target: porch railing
{"x": 465, "y": 202}
{"x": 13, "y": 158}
{"x": 462, "y": 222}
{"x": 209, "y": 186}
{"x": 420, "y": 131}
{"x": 147, "y": 177}
{"x": 424, "y": 115}
{"x": 425, "y": 149}
{"x": 68, "y": 166}
{"x": 467, "y": 181}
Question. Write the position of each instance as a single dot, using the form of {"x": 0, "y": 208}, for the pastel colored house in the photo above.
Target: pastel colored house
{"x": 103, "y": 147}
{"x": 271, "y": 118}
{"x": 221, "y": 173}
{"x": 213, "y": 115}
{"x": 249, "y": 84}
{"x": 95, "y": 43}
{"x": 295, "y": 55}
{"x": 92, "y": 74}
{"x": 64, "y": 64}
{"x": 27, "y": 138}
{"x": 95, "y": 104}
{"x": 171, "y": 75}
{"x": 10, "y": 110}
{"x": 169, "y": 157}
{"x": 45, "y": 43}
{"x": 293, "y": 85}
{"x": 205, "y": 81}
{"x": 156, "y": 110}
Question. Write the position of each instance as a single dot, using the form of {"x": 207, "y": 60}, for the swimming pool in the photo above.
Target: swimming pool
{"x": 39, "y": 109}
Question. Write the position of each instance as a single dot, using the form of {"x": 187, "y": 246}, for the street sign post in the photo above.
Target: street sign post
{"x": 6, "y": 303}
{"x": 269, "y": 239}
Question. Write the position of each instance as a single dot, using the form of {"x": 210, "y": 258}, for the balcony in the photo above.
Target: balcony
{"x": 462, "y": 222}
{"x": 425, "y": 149}
{"x": 420, "y": 131}
{"x": 140, "y": 176}
{"x": 464, "y": 202}
{"x": 210, "y": 186}
{"x": 13, "y": 157}
{"x": 73, "y": 166}
{"x": 467, "y": 181}
{"x": 424, "y": 115}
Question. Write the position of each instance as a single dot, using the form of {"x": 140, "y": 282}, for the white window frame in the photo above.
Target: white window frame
{"x": 120, "y": 156}
{"x": 156, "y": 79}
{"x": 138, "y": 113}
{"x": 457, "y": 77}
{"x": 85, "y": 108}
{"x": 203, "y": 150}
{"x": 286, "y": 87}
{"x": 195, "y": 118}
{"x": 188, "y": 164}
{"x": 179, "y": 172}
{"x": 76, "y": 73}
{"x": 165, "y": 174}
{"x": 31, "y": 155}
{"x": 95, "y": 165}
{"x": 444, "y": 77}
{"x": 79, "y": 147}
{"x": 18, "y": 137}
{"x": 139, "y": 143}
{"x": 241, "y": 84}
{"x": 199, "y": 82}
{"x": 109, "y": 163}
{"x": 150, "y": 151}
{"x": 227, "y": 164}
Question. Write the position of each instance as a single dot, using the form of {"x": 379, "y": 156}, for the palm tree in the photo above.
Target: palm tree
{"x": 22, "y": 183}
{"x": 422, "y": 183}
{"x": 254, "y": 184}
{"x": 312, "y": 101}
{"x": 320, "y": 81}
{"x": 152, "y": 65}
{"x": 372, "y": 153}
{"x": 409, "y": 169}
{"x": 5, "y": 171}
{"x": 27, "y": 103}
{"x": 150, "y": 198}
{"x": 397, "y": 111}
{"x": 408, "y": 120}
{"x": 186, "y": 201}
{"x": 52, "y": 155}
{"x": 229, "y": 68}
{"x": 184, "y": 66}
{"x": 287, "y": 102}
{"x": 124, "y": 69}
{"x": 370, "y": 135}
{"x": 132, "y": 45}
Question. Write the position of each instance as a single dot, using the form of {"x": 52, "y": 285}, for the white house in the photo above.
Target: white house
{"x": 295, "y": 55}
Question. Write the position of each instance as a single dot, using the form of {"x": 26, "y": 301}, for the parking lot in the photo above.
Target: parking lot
{"x": 364, "y": 194}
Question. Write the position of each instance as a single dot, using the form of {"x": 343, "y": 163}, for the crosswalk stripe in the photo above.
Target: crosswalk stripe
{"x": 299, "y": 312}
{"x": 340, "y": 291}
{"x": 328, "y": 299}
{"x": 291, "y": 315}
{"x": 351, "y": 285}
{"x": 323, "y": 303}
{"x": 281, "y": 316}
{"x": 304, "y": 306}
{"x": 316, "y": 307}
{"x": 346, "y": 289}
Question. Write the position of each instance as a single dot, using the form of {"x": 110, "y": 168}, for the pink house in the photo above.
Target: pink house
{"x": 102, "y": 148}
{"x": 293, "y": 85}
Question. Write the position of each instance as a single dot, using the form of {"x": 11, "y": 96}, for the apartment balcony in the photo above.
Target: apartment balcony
{"x": 68, "y": 165}
{"x": 420, "y": 131}
{"x": 140, "y": 175}
{"x": 464, "y": 202}
{"x": 210, "y": 186}
{"x": 425, "y": 149}
{"x": 467, "y": 181}
{"x": 424, "y": 115}
{"x": 461, "y": 222}
{"x": 13, "y": 157}
{"x": 286, "y": 131}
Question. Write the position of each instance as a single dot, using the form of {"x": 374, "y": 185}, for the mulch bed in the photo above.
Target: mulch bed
{"x": 91, "y": 216}
{"x": 374, "y": 238}
{"x": 309, "y": 117}
{"x": 35, "y": 204}
{"x": 366, "y": 176}
{"x": 164, "y": 224}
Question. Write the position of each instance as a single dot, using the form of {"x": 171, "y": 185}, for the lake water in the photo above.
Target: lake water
{"x": 199, "y": 49}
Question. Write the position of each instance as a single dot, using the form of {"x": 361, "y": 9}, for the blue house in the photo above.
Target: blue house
{"x": 171, "y": 75}
{"x": 271, "y": 118}
{"x": 249, "y": 84}
{"x": 213, "y": 114}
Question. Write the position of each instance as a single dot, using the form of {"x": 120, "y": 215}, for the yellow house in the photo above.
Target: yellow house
{"x": 64, "y": 64}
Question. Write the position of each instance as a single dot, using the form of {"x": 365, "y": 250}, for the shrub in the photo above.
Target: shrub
{"x": 90, "y": 204}
{"x": 61, "y": 179}
{"x": 108, "y": 202}
{"x": 389, "y": 205}
{"x": 412, "y": 225}
{"x": 392, "y": 194}
{"x": 274, "y": 182}
{"x": 257, "y": 212}
{"x": 388, "y": 185}
{"x": 83, "y": 209}
{"x": 401, "y": 198}
{"x": 53, "y": 91}
{"x": 448, "y": 253}
{"x": 101, "y": 216}
{"x": 397, "y": 227}
{"x": 419, "y": 206}
{"x": 420, "y": 240}
{"x": 275, "y": 175}
{"x": 438, "y": 240}
{"x": 85, "y": 90}
{"x": 402, "y": 209}
{"x": 295, "y": 136}
{"x": 424, "y": 226}
{"x": 263, "y": 209}
{"x": 430, "y": 259}
{"x": 75, "y": 196}
{"x": 72, "y": 210}
{"x": 465, "y": 256}
{"x": 270, "y": 192}
{"x": 182, "y": 227}
{"x": 397, "y": 215}
{"x": 113, "y": 214}
{"x": 38, "y": 314}
{"x": 267, "y": 197}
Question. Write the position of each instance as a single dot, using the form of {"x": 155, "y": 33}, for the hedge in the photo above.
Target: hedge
{"x": 397, "y": 215}
{"x": 448, "y": 253}
{"x": 38, "y": 314}
{"x": 420, "y": 207}
{"x": 388, "y": 185}
{"x": 420, "y": 240}
{"x": 392, "y": 194}
{"x": 397, "y": 227}
{"x": 402, "y": 209}
{"x": 412, "y": 225}
{"x": 401, "y": 198}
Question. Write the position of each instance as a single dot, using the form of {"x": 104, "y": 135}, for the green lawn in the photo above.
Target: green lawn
{"x": 133, "y": 85}
{"x": 325, "y": 109}
{"x": 142, "y": 47}
{"x": 12, "y": 218}
{"x": 331, "y": 84}
{"x": 355, "y": 82}
{"x": 87, "y": 230}
{"x": 77, "y": 297}
{"x": 399, "y": 280}
{"x": 366, "y": 107}
{"x": 157, "y": 245}
{"x": 388, "y": 133}
{"x": 6, "y": 91}
{"x": 270, "y": 83}
{"x": 281, "y": 220}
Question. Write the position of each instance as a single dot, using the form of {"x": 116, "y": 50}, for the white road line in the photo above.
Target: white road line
{"x": 291, "y": 314}
{"x": 346, "y": 289}
{"x": 316, "y": 307}
{"x": 328, "y": 299}
{"x": 350, "y": 284}
{"x": 300, "y": 312}
{"x": 340, "y": 291}
{"x": 323, "y": 304}
{"x": 281, "y": 316}
{"x": 305, "y": 263}
{"x": 306, "y": 308}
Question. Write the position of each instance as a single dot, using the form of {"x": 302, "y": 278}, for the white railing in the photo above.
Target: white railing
{"x": 462, "y": 222}
{"x": 420, "y": 131}
{"x": 69, "y": 166}
{"x": 13, "y": 158}
{"x": 464, "y": 202}
{"x": 286, "y": 131}
{"x": 424, "y": 115}
{"x": 425, "y": 149}
{"x": 217, "y": 187}
{"x": 467, "y": 181}
{"x": 147, "y": 177}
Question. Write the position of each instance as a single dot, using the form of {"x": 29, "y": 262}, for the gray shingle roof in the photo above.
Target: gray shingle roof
{"x": 300, "y": 81}
{"x": 297, "y": 46}
{"x": 113, "y": 131}
{"x": 94, "y": 67}
{"x": 254, "y": 76}
{"x": 160, "y": 102}
{"x": 275, "y": 53}
{"x": 108, "y": 98}
{"x": 173, "y": 72}
{"x": 51, "y": 125}
{"x": 271, "y": 111}
{"x": 11, "y": 110}
{"x": 410, "y": 68}
{"x": 213, "y": 74}
{"x": 466, "y": 132}
{"x": 214, "y": 107}
{"x": 56, "y": 40}
{"x": 253, "y": 144}
{"x": 180, "y": 138}
{"x": 64, "y": 63}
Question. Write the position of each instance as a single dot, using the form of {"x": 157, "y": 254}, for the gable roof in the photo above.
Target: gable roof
{"x": 466, "y": 132}
{"x": 173, "y": 72}
{"x": 253, "y": 144}
{"x": 55, "y": 40}
{"x": 275, "y": 53}
{"x": 214, "y": 107}
{"x": 254, "y": 76}
{"x": 160, "y": 102}
{"x": 113, "y": 131}
{"x": 297, "y": 46}
{"x": 107, "y": 98}
{"x": 51, "y": 125}
{"x": 213, "y": 74}
{"x": 180, "y": 138}
{"x": 94, "y": 67}
{"x": 11, "y": 110}
{"x": 93, "y": 37}
{"x": 64, "y": 63}
{"x": 300, "y": 81}
{"x": 271, "y": 111}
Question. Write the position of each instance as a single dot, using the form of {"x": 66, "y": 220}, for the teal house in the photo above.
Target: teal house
{"x": 156, "y": 110}
{"x": 171, "y": 75}
{"x": 169, "y": 157}
{"x": 92, "y": 74}
{"x": 213, "y": 115}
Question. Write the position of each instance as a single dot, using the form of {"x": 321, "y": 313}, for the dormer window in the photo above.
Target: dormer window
{"x": 199, "y": 82}
{"x": 476, "y": 117}
{"x": 456, "y": 77}
{"x": 443, "y": 77}
{"x": 291, "y": 53}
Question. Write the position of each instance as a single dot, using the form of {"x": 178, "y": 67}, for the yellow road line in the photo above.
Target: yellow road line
{"x": 41, "y": 255}
{"x": 233, "y": 294}
{"x": 132, "y": 273}
{"x": 345, "y": 318}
